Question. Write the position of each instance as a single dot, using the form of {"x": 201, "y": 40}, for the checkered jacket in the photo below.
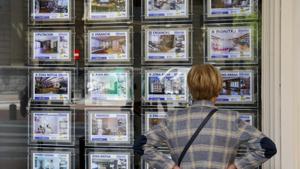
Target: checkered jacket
{"x": 216, "y": 145}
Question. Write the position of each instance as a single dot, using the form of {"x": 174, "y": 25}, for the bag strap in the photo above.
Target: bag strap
{"x": 190, "y": 142}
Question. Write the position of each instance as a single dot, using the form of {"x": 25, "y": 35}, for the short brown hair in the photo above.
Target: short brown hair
{"x": 204, "y": 82}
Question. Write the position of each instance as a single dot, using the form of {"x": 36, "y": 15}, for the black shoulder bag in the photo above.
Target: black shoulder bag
{"x": 190, "y": 142}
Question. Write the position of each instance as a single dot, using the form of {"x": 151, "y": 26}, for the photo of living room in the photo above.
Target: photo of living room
{"x": 108, "y": 6}
{"x": 108, "y": 45}
{"x": 51, "y": 6}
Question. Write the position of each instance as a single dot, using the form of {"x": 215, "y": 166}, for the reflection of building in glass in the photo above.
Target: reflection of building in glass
{"x": 229, "y": 43}
{"x": 51, "y": 6}
{"x": 230, "y": 3}
{"x": 108, "y": 5}
{"x": 166, "y": 43}
{"x": 166, "y": 4}
{"x": 51, "y": 85}
{"x": 109, "y": 85}
{"x": 236, "y": 86}
{"x": 46, "y": 44}
{"x": 108, "y": 45}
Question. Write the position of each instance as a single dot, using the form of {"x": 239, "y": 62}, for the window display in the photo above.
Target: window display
{"x": 51, "y": 160}
{"x": 109, "y": 45}
{"x": 166, "y": 9}
{"x": 165, "y": 44}
{"x": 99, "y": 10}
{"x": 230, "y": 43}
{"x": 51, "y": 126}
{"x": 227, "y": 8}
{"x": 108, "y": 127}
{"x": 238, "y": 87}
{"x": 120, "y": 160}
{"x": 166, "y": 85}
{"x": 51, "y": 85}
{"x": 51, "y": 10}
{"x": 109, "y": 86}
{"x": 51, "y": 46}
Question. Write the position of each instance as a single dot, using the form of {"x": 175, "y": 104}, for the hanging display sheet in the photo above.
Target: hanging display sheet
{"x": 113, "y": 127}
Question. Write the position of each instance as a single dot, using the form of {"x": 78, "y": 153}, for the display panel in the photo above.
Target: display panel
{"x": 228, "y": 43}
{"x": 51, "y": 85}
{"x": 238, "y": 86}
{"x": 229, "y": 8}
{"x": 166, "y": 85}
{"x": 108, "y": 10}
{"x": 153, "y": 118}
{"x": 111, "y": 86}
{"x": 109, "y": 159}
{"x": 111, "y": 45}
{"x": 51, "y": 10}
{"x": 51, "y": 158}
{"x": 109, "y": 127}
{"x": 51, "y": 46}
{"x": 162, "y": 9}
{"x": 167, "y": 44}
{"x": 51, "y": 127}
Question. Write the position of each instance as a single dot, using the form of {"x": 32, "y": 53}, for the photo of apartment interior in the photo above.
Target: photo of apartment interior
{"x": 108, "y": 5}
{"x": 166, "y": 86}
{"x": 46, "y": 45}
{"x": 109, "y": 126}
{"x": 230, "y": 3}
{"x": 240, "y": 43}
{"x": 51, "y": 85}
{"x": 166, "y": 44}
{"x": 105, "y": 164}
{"x": 166, "y": 4}
{"x": 236, "y": 86}
{"x": 51, "y": 6}
{"x": 108, "y": 45}
{"x": 50, "y": 163}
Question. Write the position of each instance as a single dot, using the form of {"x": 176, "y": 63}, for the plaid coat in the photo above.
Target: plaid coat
{"x": 216, "y": 145}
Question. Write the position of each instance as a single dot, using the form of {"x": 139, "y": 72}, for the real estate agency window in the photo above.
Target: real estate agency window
{"x": 80, "y": 79}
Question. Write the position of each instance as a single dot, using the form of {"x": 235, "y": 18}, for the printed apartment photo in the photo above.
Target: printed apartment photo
{"x": 51, "y": 161}
{"x": 230, "y": 43}
{"x": 165, "y": 45}
{"x": 51, "y": 85}
{"x": 51, "y": 126}
{"x": 237, "y": 87}
{"x": 109, "y": 161}
{"x": 168, "y": 85}
{"x": 230, "y": 3}
{"x": 108, "y": 85}
{"x": 51, "y": 6}
{"x": 154, "y": 5}
{"x": 51, "y": 46}
{"x": 109, "y": 125}
{"x": 98, "y": 6}
{"x": 108, "y": 46}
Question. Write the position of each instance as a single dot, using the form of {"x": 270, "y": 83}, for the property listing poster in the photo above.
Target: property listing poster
{"x": 225, "y": 8}
{"x": 237, "y": 87}
{"x": 51, "y": 160}
{"x": 51, "y": 126}
{"x": 166, "y": 84}
{"x": 108, "y": 9}
{"x": 153, "y": 118}
{"x": 47, "y": 10}
{"x": 166, "y": 44}
{"x": 52, "y": 46}
{"x": 229, "y": 43}
{"x": 108, "y": 127}
{"x": 52, "y": 86}
{"x": 109, "y": 160}
{"x": 108, "y": 85}
{"x": 109, "y": 46}
{"x": 166, "y": 9}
